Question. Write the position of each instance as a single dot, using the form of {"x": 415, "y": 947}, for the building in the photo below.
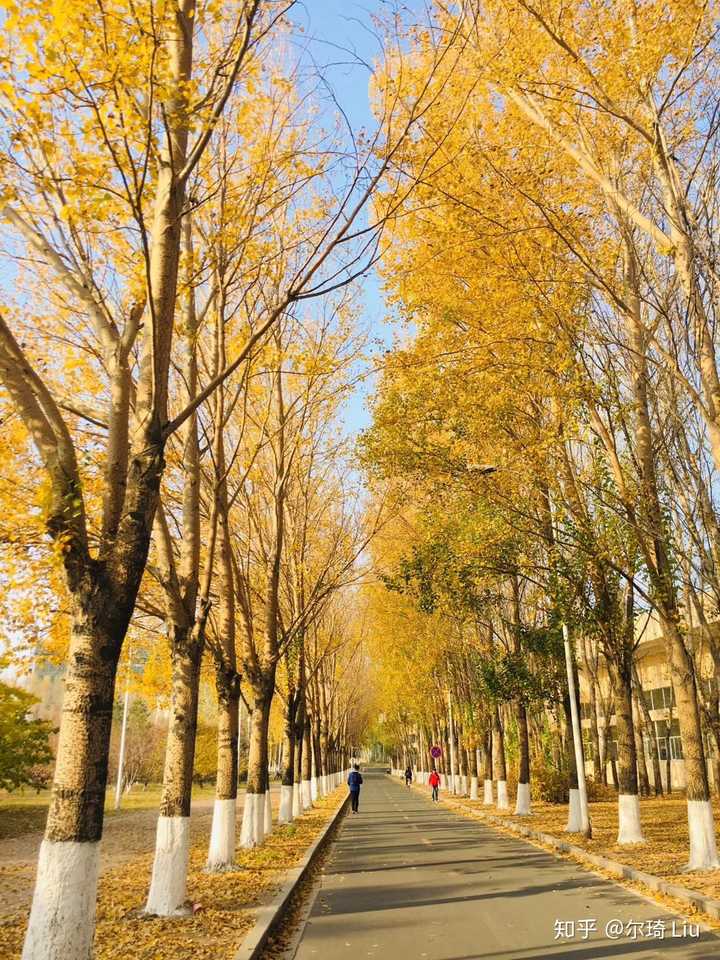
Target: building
{"x": 651, "y": 659}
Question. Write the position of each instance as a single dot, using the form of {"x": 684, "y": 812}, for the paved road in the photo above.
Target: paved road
{"x": 409, "y": 879}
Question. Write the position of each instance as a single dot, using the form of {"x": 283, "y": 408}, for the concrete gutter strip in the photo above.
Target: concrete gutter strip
{"x": 699, "y": 900}
{"x": 270, "y": 914}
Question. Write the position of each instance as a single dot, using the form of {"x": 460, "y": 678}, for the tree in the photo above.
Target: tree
{"x": 24, "y": 740}
{"x": 129, "y": 126}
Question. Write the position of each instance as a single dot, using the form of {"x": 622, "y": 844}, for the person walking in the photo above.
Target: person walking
{"x": 408, "y": 775}
{"x": 434, "y": 782}
{"x": 354, "y": 783}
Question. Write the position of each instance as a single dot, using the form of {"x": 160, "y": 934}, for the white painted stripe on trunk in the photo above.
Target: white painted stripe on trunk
{"x": 703, "y": 846}
{"x": 296, "y": 800}
{"x": 267, "y": 820}
{"x": 473, "y": 788}
{"x": 522, "y": 800}
{"x": 502, "y": 795}
{"x": 574, "y": 820}
{"x": 629, "y": 828}
{"x": 253, "y": 820}
{"x": 221, "y": 854}
{"x": 487, "y": 792}
{"x": 313, "y": 789}
{"x": 286, "y": 804}
{"x": 169, "y": 875}
{"x": 306, "y": 799}
{"x": 62, "y": 917}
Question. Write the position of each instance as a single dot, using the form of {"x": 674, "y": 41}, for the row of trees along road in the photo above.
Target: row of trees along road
{"x": 178, "y": 231}
{"x": 558, "y": 265}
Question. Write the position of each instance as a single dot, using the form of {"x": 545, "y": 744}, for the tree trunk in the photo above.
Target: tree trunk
{"x": 652, "y": 538}
{"x": 299, "y": 736}
{"x": 652, "y": 733}
{"x": 473, "y": 768}
{"x": 254, "y": 815}
{"x": 221, "y": 854}
{"x": 630, "y": 830}
{"x": 288, "y": 761}
{"x": 522, "y": 802}
{"x": 594, "y": 731}
{"x": 68, "y": 863}
{"x": 306, "y": 783}
{"x": 324, "y": 759}
{"x": 703, "y": 847}
{"x": 462, "y": 770}
{"x": 574, "y": 822}
{"x": 716, "y": 761}
{"x": 316, "y": 782}
{"x": 487, "y": 745}
{"x": 499, "y": 766}
{"x": 172, "y": 847}
{"x": 643, "y": 777}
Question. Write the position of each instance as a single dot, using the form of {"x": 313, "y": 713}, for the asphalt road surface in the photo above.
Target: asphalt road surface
{"x": 410, "y": 879}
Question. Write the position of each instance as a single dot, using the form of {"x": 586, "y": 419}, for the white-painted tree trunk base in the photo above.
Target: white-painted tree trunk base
{"x": 488, "y": 792}
{"x": 502, "y": 795}
{"x": 296, "y": 800}
{"x": 168, "y": 885}
{"x": 286, "y": 804}
{"x": 629, "y": 828}
{"x": 268, "y": 824}
{"x": 221, "y": 853}
{"x": 574, "y": 820}
{"x": 62, "y": 917}
{"x": 443, "y": 781}
{"x": 473, "y": 788}
{"x": 313, "y": 789}
{"x": 522, "y": 800}
{"x": 306, "y": 794}
{"x": 252, "y": 831}
{"x": 703, "y": 845}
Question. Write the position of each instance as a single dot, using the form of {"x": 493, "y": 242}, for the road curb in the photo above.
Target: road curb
{"x": 700, "y": 901}
{"x": 270, "y": 914}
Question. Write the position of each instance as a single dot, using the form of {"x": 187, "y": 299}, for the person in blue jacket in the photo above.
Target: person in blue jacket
{"x": 354, "y": 782}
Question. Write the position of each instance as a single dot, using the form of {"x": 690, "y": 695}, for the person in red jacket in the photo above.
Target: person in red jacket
{"x": 434, "y": 782}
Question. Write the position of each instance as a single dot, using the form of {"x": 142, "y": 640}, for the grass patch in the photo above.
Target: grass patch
{"x": 25, "y": 811}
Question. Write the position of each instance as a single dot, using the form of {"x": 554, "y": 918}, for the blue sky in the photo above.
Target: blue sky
{"x": 335, "y": 30}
